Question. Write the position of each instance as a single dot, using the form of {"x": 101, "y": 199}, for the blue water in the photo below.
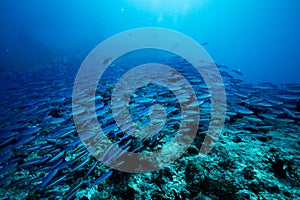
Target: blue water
{"x": 259, "y": 38}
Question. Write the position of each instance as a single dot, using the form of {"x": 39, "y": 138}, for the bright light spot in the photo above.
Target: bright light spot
{"x": 170, "y": 7}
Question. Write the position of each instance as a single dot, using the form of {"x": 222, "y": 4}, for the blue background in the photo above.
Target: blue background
{"x": 258, "y": 37}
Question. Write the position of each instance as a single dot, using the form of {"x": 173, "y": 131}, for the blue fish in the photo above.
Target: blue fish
{"x": 101, "y": 178}
{"x": 73, "y": 191}
{"x": 92, "y": 168}
{"x": 34, "y": 162}
{"x": 48, "y": 178}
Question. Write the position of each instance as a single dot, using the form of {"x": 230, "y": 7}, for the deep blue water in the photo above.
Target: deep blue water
{"x": 259, "y": 38}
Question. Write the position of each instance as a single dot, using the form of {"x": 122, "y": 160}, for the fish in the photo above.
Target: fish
{"x": 58, "y": 180}
{"x": 238, "y": 72}
{"x": 57, "y": 156}
{"x": 289, "y": 112}
{"x": 31, "y": 130}
{"x": 289, "y": 96}
{"x": 81, "y": 164}
{"x": 254, "y": 119}
{"x": 101, "y": 178}
{"x": 204, "y": 96}
{"x": 35, "y": 161}
{"x": 5, "y": 156}
{"x": 268, "y": 116}
{"x": 7, "y": 141}
{"x": 48, "y": 178}
{"x": 110, "y": 128}
{"x": 264, "y": 104}
{"x": 8, "y": 167}
{"x": 64, "y": 165}
{"x": 243, "y": 110}
{"x": 9, "y": 134}
{"x": 92, "y": 168}
{"x": 40, "y": 147}
{"x": 71, "y": 194}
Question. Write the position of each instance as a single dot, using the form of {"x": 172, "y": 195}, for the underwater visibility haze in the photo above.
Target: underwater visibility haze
{"x": 149, "y": 99}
